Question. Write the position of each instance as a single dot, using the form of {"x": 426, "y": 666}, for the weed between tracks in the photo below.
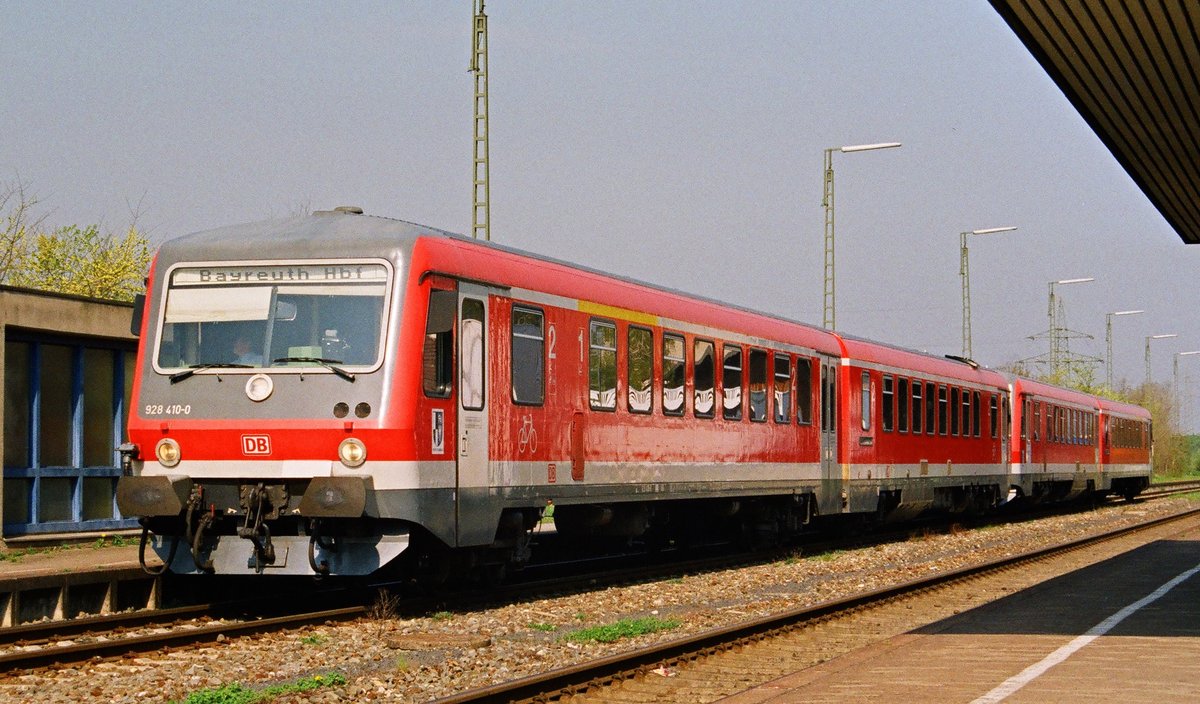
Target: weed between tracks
{"x": 237, "y": 694}
{"x": 625, "y": 628}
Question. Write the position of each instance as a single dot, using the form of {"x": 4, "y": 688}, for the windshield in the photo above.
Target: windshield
{"x": 298, "y": 315}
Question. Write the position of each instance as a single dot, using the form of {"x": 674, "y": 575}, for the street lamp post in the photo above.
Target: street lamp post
{"x": 1178, "y": 389}
{"x": 1108, "y": 341}
{"x": 827, "y": 202}
{"x": 1175, "y": 371}
{"x": 1148, "y": 339}
{"x": 964, "y": 271}
{"x": 1056, "y": 334}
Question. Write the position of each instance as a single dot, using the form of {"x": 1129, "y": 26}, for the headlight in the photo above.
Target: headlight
{"x": 352, "y": 452}
{"x": 167, "y": 452}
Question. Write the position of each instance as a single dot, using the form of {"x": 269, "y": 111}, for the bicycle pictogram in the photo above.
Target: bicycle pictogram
{"x": 526, "y": 436}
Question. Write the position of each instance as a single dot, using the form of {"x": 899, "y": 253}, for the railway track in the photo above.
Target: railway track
{"x": 47, "y": 644}
{"x": 1165, "y": 489}
{"x": 718, "y": 663}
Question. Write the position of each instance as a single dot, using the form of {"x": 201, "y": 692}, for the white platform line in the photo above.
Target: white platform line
{"x": 1034, "y": 671}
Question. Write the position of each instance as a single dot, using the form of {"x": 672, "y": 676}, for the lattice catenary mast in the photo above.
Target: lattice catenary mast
{"x": 482, "y": 218}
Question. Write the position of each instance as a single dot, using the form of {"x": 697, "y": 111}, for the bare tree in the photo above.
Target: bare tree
{"x": 18, "y": 223}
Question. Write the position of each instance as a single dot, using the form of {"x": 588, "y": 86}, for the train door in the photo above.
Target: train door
{"x": 1005, "y": 437}
{"x": 472, "y": 480}
{"x": 831, "y": 477}
{"x": 1029, "y": 432}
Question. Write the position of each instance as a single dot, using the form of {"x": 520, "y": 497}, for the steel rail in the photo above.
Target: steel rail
{"x": 41, "y": 657}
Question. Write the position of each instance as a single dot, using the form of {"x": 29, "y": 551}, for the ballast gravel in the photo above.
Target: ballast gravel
{"x": 420, "y": 659}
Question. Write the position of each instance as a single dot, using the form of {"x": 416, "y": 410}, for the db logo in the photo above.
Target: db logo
{"x": 256, "y": 444}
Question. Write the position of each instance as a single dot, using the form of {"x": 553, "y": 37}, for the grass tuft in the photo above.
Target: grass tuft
{"x": 236, "y": 693}
{"x": 625, "y": 628}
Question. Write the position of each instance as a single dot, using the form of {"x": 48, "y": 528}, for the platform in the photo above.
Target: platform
{"x": 1123, "y": 630}
{"x": 73, "y": 580}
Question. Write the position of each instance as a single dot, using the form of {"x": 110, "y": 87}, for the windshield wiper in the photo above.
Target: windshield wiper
{"x": 327, "y": 363}
{"x": 193, "y": 368}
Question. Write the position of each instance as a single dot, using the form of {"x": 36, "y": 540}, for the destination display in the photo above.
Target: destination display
{"x": 357, "y": 272}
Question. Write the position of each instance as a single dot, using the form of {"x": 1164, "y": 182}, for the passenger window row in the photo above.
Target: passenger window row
{"x": 755, "y": 383}
{"x": 1128, "y": 433}
{"x": 917, "y": 406}
{"x": 1064, "y": 426}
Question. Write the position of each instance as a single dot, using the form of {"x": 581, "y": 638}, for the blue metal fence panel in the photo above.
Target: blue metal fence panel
{"x": 35, "y": 473}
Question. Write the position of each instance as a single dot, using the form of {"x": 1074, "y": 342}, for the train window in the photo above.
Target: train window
{"x": 528, "y": 356}
{"x": 703, "y": 376}
{"x": 1037, "y": 418}
{"x": 902, "y": 405}
{"x": 889, "y": 403}
{"x": 993, "y": 416}
{"x": 437, "y": 357}
{"x": 975, "y": 422}
{"x": 758, "y": 385}
{"x": 731, "y": 382}
{"x": 831, "y": 398}
{"x": 824, "y": 398}
{"x": 470, "y": 358}
{"x": 639, "y": 352}
{"x": 804, "y": 395}
{"x": 297, "y": 317}
{"x": 931, "y": 408}
{"x": 966, "y": 413}
{"x": 954, "y": 410}
{"x": 866, "y": 401}
{"x": 783, "y": 387}
{"x": 602, "y": 366}
{"x": 917, "y": 411}
{"x": 674, "y": 372}
{"x": 941, "y": 409}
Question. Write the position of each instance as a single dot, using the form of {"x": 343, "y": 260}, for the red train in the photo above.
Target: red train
{"x": 333, "y": 393}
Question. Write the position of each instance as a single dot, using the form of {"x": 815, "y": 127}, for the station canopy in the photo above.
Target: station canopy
{"x": 1131, "y": 70}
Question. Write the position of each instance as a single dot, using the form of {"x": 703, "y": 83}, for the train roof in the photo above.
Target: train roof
{"x": 347, "y": 232}
{"x": 1054, "y": 393}
{"x": 322, "y": 234}
{"x": 893, "y": 355}
{"x": 1110, "y": 407}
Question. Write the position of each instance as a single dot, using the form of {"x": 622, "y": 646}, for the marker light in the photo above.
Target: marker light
{"x": 259, "y": 387}
{"x": 352, "y": 452}
{"x": 167, "y": 452}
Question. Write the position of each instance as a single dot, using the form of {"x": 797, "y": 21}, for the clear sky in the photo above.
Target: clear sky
{"x": 678, "y": 142}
